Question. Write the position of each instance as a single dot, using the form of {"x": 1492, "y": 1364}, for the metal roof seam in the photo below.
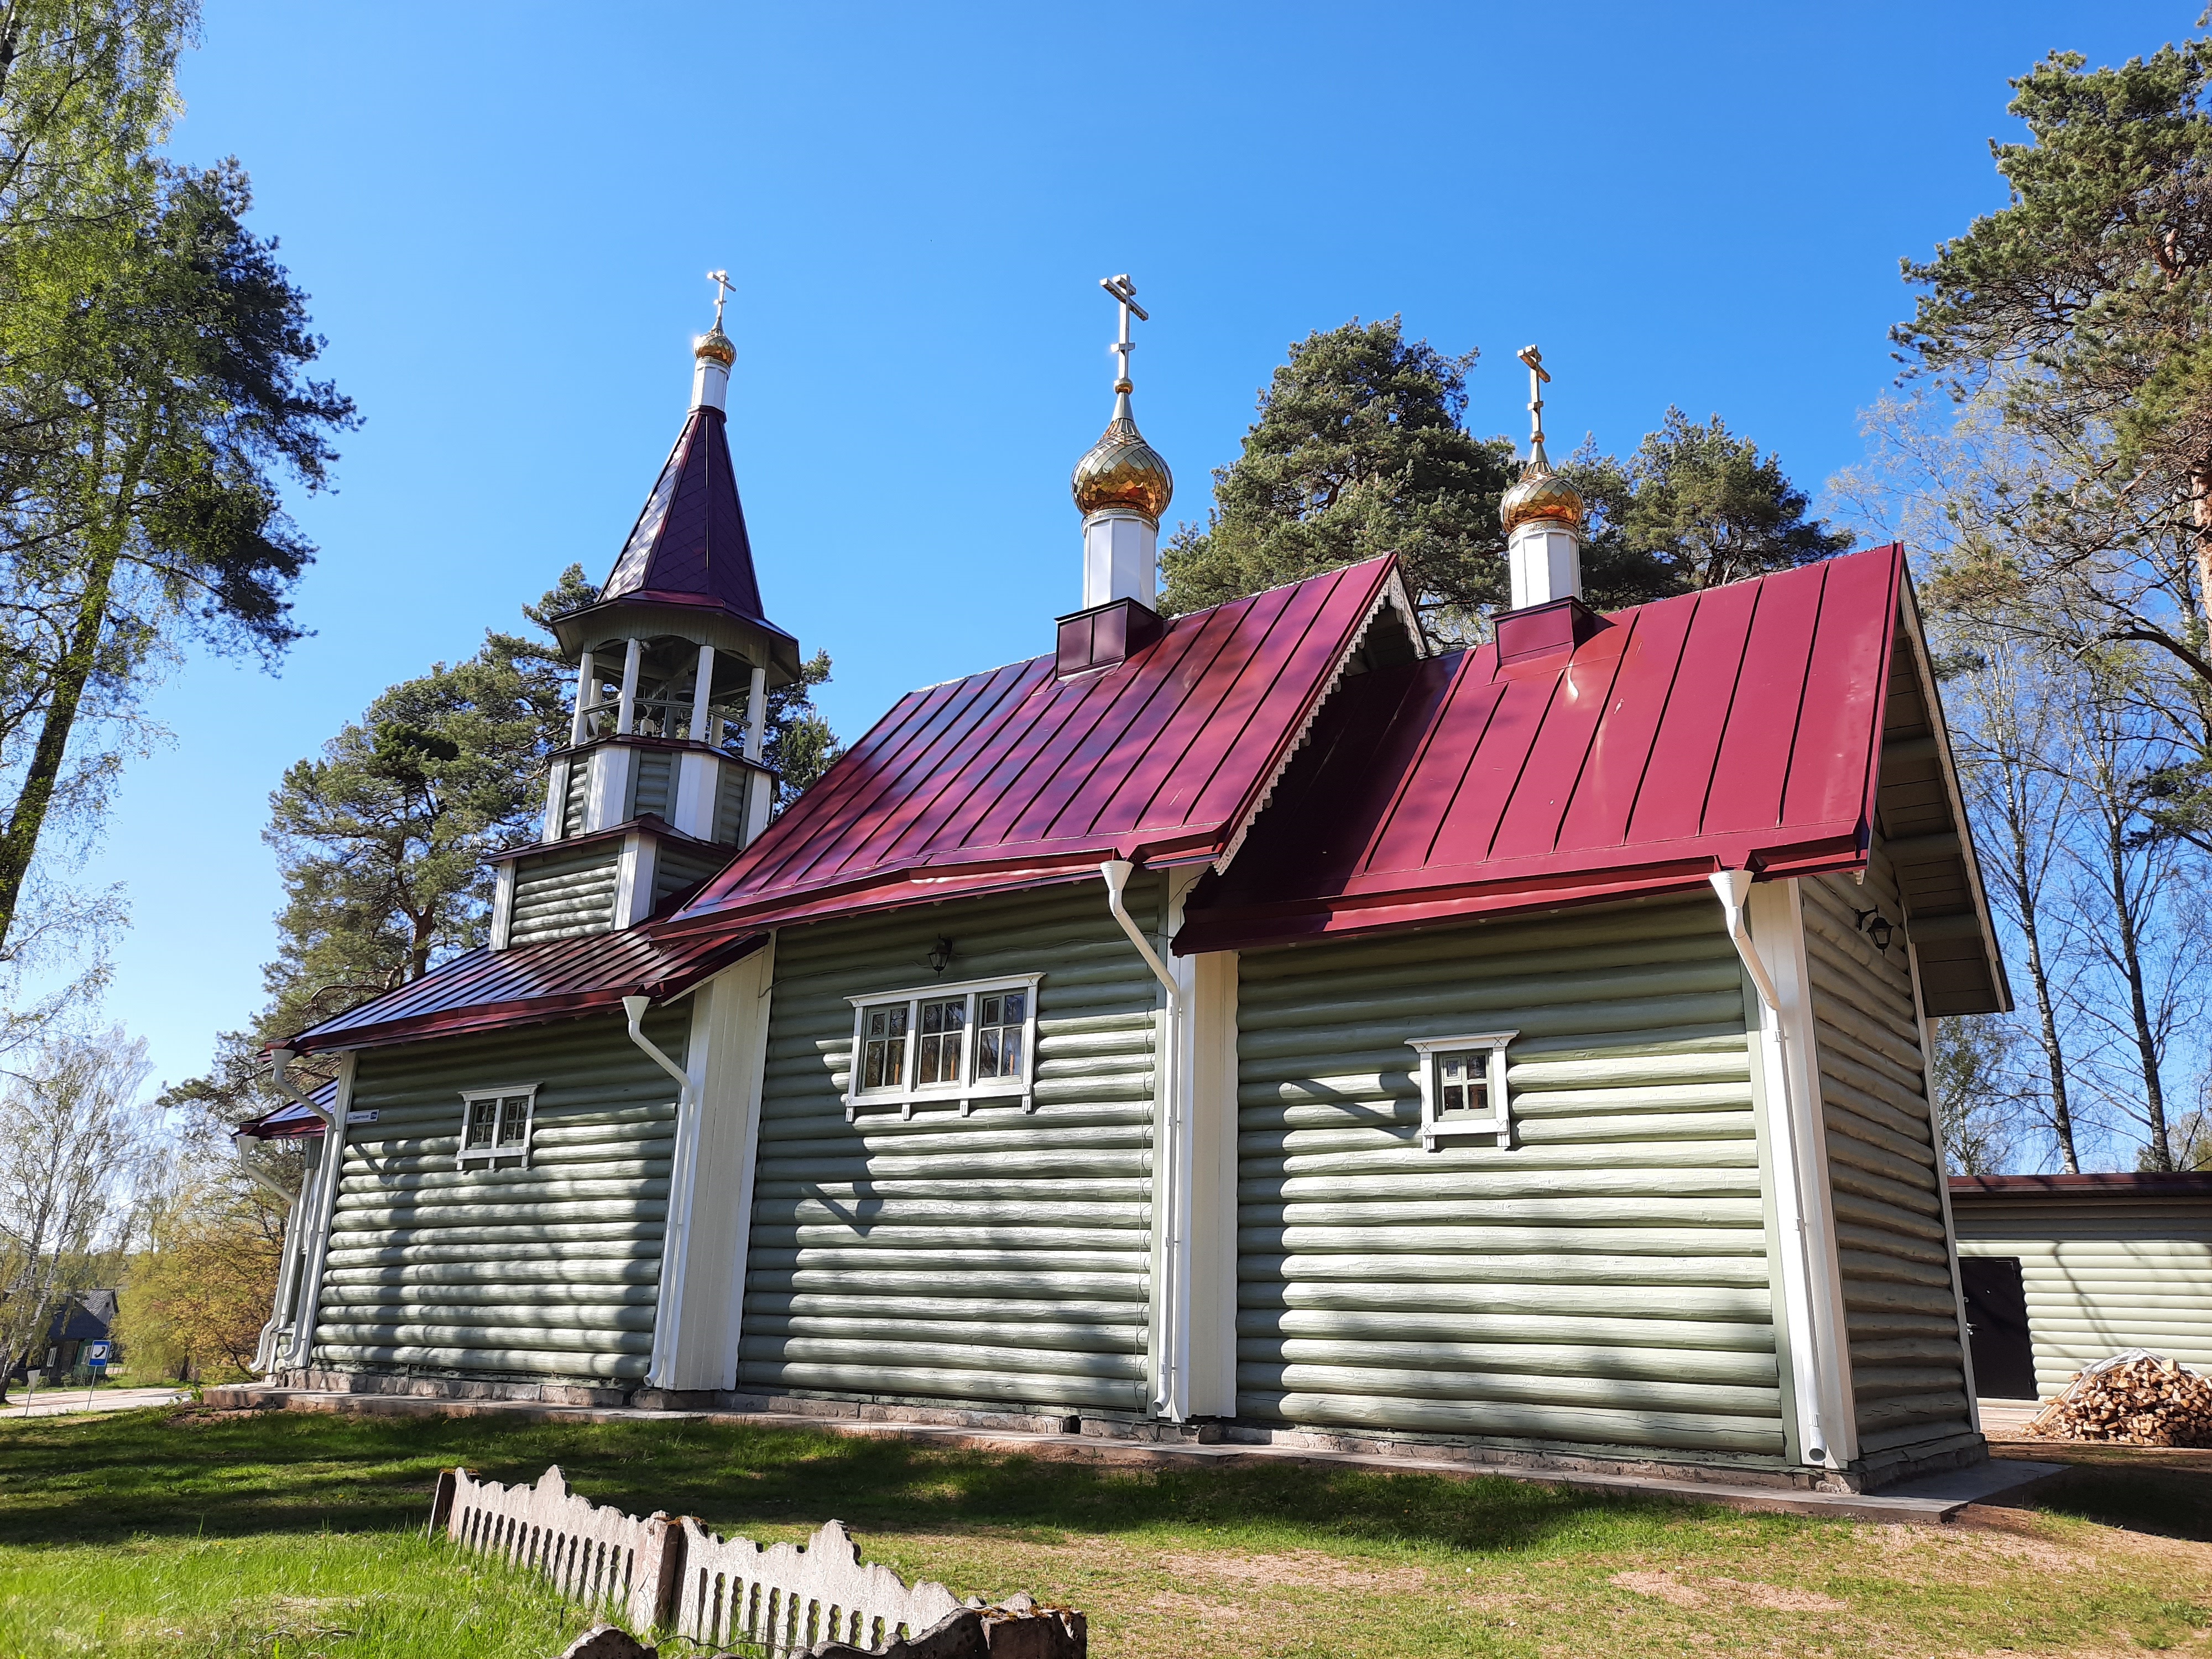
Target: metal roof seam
{"x": 1659, "y": 720}
{"x": 1498, "y": 690}
{"x": 1172, "y": 692}
{"x": 998, "y": 698}
{"x": 1462, "y": 674}
{"x": 1798, "y": 714}
{"x": 1735, "y": 684}
{"x": 1385, "y": 591}
{"x": 1172, "y": 765}
{"x": 1597, "y": 730}
{"x": 1521, "y": 771}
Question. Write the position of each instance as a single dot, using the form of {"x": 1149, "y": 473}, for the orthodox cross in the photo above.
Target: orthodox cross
{"x": 1125, "y": 291}
{"x": 723, "y": 289}
{"x": 1537, "y": 377}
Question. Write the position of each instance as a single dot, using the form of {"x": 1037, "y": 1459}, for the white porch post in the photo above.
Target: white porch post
{"x": 626, "y": 715}
{"x": 702, "y": 693}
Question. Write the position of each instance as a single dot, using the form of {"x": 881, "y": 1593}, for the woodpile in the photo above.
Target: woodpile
{"x": 2133, "y": 1398}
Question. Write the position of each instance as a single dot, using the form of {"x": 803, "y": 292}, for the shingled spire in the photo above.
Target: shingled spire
{"x": 664, "y": 776}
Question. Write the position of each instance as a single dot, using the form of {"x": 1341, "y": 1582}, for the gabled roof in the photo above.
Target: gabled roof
{"x": 489, "y": 990}
{"x": 1015, "y": 776}
{"x": 1736, "y": 728}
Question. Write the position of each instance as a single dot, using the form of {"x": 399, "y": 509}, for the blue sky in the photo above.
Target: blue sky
{"x": 503, "y": 214}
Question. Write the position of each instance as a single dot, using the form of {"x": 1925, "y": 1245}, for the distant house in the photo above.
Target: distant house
{"x": 87, "y": 1317}
{"x": 1259, "y": 1024}
{"x": 2061, "y": 1270}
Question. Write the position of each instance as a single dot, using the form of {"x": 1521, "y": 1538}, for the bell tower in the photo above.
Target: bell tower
{"x": 662, "y": 780}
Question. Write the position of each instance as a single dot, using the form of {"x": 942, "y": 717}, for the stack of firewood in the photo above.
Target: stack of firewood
{"x": 2136, "y": 1399}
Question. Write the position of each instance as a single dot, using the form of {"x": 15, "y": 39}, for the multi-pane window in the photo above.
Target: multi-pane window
{"x": 1462, "y": 1084}
{"x": 1001, "y": 1024}
{"x": 495, "y": 1125}
{"x": 1463, "y": 1089}
{"x": 883, "y": 1046}
{"x": 952, "y": 1044}
{"x": 943, "y": 1032}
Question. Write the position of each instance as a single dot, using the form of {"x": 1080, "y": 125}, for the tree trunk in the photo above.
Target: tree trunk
{"x": 2200, "y": 514}
{"x": 19, "y": 842}
{"x": 2054, "y": 1052}
{"x": 2123, "y": 921}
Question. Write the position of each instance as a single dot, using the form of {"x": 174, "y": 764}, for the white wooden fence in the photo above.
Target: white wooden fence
{"x": 786, "y": 1597}
{"x": 659, "y": 1572}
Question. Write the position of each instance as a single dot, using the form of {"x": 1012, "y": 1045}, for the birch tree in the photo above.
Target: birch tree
{"x": 74, "y": 1144}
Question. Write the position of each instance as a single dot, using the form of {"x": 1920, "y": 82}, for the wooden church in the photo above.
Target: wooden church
{"x": 1254, "y": 1025}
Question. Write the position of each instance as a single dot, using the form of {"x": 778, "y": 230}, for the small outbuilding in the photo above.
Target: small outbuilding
{"x": 2060, "y": 1271}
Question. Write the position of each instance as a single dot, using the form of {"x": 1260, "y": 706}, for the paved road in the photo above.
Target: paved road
{"x": 51, "y": 1402}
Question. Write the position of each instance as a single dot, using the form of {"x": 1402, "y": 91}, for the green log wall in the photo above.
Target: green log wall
{"x": 549, "y": 1272}
{"x": 1900, "y": 1312}
{"x": 1002, "y": 1259}
{"x": 1606, "y": 1282}
{"x": 564, "y": 894}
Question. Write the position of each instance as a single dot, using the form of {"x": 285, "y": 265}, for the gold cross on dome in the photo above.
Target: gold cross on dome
{"x": 1125, "y": 291}
{"x": 723, "y": 289}
{"x": 1537, "y": 377}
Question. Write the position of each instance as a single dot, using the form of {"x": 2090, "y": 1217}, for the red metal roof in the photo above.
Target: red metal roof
{"x": 1015, "y": 776}
{"x": 2148, "y": 1183}
{"x": 487, "y": 990}
{"x": 1735, "y": 728}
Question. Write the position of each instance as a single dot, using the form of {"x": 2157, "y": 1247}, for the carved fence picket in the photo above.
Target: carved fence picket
{"x": 589, "y": 1552}
{"x": 782, "y": 1598}
{"x": 786, "y": 1598}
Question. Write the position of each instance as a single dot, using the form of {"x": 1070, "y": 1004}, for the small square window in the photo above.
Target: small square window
{"x": 1463, "y": 1088}
{"x": 496, "y": 1126}
{"x": 1462, "y": 1082}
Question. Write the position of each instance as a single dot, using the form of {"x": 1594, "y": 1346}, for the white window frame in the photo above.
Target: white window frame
{"x": 969, "y": 1089}
{"x": 1496, "y": 1123}
{"x": 491, "y": 1155}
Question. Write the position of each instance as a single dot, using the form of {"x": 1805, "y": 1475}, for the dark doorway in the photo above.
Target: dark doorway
{"x": 1996, "y": 1327}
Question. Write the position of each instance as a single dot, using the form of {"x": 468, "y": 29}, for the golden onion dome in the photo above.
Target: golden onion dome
{"x": 1123, "y": 470}
{"x": 715, "y": 346}
{"x": 1541, "y": 493}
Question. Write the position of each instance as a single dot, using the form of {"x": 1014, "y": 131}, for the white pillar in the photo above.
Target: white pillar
{"x": 756, "y": 716}
{"x": 700, "y": 694}
{"x": 1545, "y": 558}
{"x": 587, "y": 675}
{"x": 626, "y": 715}
{"x": 1120, "y": 558}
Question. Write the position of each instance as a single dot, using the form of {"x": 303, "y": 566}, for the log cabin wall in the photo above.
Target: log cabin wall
{"x": 1605, "y": 1283}
{"x": 549, "y": 1272}
{"x": 1893, "y": 1250}
{"x": 1003, "y": 1259}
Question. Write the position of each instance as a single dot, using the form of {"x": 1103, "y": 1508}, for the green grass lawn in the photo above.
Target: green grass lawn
{"x": 181, "y": 1533}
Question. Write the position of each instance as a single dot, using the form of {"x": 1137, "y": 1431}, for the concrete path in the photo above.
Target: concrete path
{"x": 1931, "y": 1500}
{"x": 53, "y": 1402}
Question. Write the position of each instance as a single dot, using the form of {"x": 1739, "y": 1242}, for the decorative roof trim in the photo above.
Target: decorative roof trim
{"x": 1392, "y": 592}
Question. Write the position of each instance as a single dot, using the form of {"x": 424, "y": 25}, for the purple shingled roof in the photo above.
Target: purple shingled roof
{"x": 690, "y": 542}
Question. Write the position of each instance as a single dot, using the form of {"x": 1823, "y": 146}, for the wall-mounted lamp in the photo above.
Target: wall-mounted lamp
{"x": 940, "y": 955}
{"x": 1876, "y": 926}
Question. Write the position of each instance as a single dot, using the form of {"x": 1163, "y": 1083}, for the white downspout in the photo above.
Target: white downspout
{"x": 1176, "y": 1175}
{"x": 324, "y": 1194}
{"x": 287, "y": 1275}
{"x": 1732, "y": 887}
{"x": 673, "y": 1238}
